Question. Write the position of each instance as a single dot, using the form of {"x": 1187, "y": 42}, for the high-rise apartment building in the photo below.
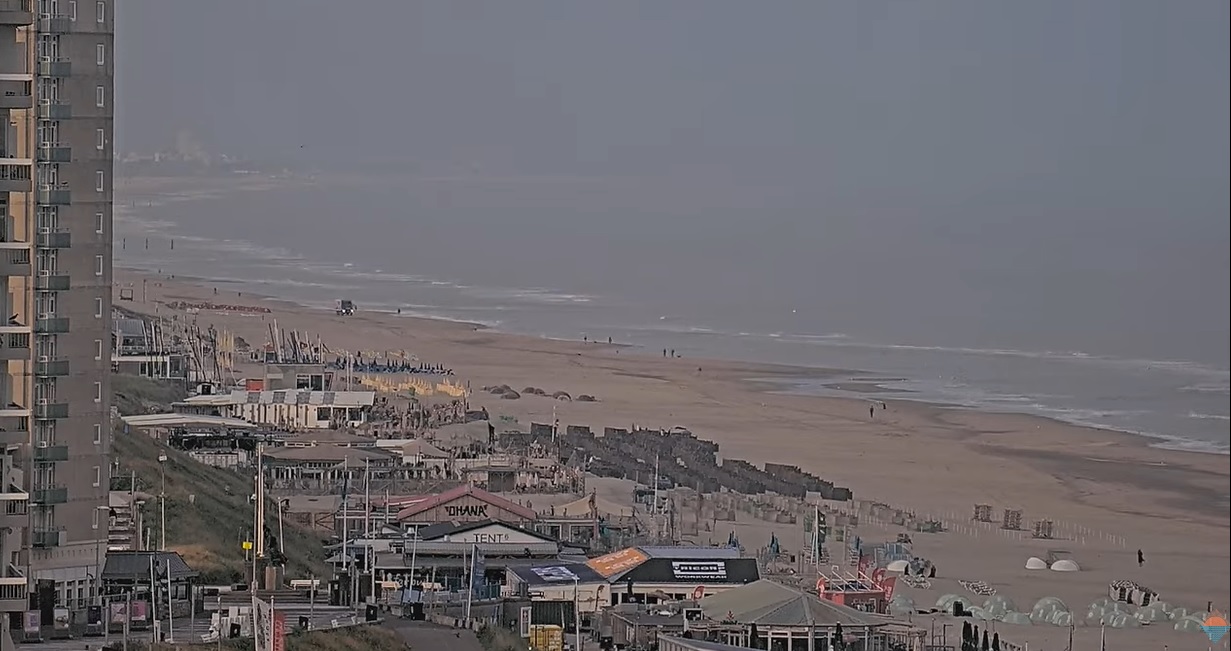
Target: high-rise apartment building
{"x": 57, "y": 107}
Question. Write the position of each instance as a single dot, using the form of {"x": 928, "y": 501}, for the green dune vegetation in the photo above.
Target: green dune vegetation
{"x": 208, "y": 512}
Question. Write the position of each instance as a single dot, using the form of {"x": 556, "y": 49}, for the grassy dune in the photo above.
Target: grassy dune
{"x": 208, "y": 513}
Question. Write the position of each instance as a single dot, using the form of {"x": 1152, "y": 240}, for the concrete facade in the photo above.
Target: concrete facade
{"x": 57, "y": 98}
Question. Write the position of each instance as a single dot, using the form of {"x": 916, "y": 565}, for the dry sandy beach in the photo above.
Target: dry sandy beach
{"x": 1113, "y": 491}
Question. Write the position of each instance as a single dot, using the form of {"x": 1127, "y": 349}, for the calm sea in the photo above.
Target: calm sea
{"x": 1072, "y": 329}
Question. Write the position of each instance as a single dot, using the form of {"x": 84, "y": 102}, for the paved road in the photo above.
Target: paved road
{"x": 185, "y": 629}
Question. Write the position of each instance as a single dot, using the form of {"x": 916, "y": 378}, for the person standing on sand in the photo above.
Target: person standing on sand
{"x": 871, "y": 411}
{"x": 1141, "y": 558}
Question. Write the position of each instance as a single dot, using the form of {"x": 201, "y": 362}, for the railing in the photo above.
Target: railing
{"x": 52, "y": 325}
{"x": 51, "y": 368}
{"x": 51, "y": 411}
{"x": 14, "y": 588}
{"x": 17, "y": 5}
{"x": 54, "y": 240}
{"x": 49, "y": 495}
{"x": 15, "y": 172}
{"x": 16, "y": 341}
{"x": 45, "y": 538}
{"x": 51, "y": 454}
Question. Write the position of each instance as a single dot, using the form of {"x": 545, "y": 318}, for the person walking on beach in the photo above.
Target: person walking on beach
{"x": 1141, "y": 558}
{"x": 871, "y": 411}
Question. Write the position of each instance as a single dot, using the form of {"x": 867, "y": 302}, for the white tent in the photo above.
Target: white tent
{"x": 1065, "y": 565}
{"x": 1036, "y": 563}
{"x": 897, "y": 566}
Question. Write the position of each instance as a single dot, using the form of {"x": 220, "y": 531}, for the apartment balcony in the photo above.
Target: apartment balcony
{"x": 14, "y": 512}
{"x": 50, "y": 196}
{"x": 52, "y": 282}
{"x": 48, "y": 110}
{"x": 49, "y": 495}
{"x": 51, "y": 367}
{"x": 15, "y": 174}
{"x": 14, "y": 345}
{"x": 15, "y": 327}
{"x": 55, "y": 153}
{"x": 51, "y": 454}
{"x": 15, "y": 95}
{"x": 48, "y": 538}
{"x": 48, "y": 67}
{"x": 49, "y": 239}
{"x": 16, "y": 12}
{"x": 14, "y": 411}
{"x": 49, "y": 24}
{"x": 14, "y": 594}
{"x": 54, "y": 325}
{"x": 14, "y": 262}
{"x": 51, "y": 411}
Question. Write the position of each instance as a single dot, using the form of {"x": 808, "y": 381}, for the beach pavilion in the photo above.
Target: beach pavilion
{"x": 769, "y": 615}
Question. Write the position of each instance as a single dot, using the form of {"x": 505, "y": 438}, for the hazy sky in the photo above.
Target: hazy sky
{"x": 1090, "y": 135}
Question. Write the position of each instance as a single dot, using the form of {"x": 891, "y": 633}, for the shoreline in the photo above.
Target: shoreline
{"x": 1114, "y": 447}
{"x": 781, "y": 379}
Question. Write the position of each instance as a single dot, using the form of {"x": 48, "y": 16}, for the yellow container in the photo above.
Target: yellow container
{"x": 546, "y": 637}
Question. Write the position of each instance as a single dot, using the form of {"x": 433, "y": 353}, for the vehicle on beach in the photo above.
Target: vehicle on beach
{"x": 345, "y": 307}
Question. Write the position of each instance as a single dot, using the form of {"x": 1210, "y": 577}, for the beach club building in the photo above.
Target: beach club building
{"x": 651, "y": 575}
{"x": 443, "y": 553}
{"x": 464, "y": 504}
{"x": 291, "y": 409}
{"x": 769, "y": 615}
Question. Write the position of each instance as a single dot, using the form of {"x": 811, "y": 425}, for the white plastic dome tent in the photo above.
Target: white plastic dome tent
{"x": 1065, "y": 565}
{"x": 898, "y": 566}
{"x": 1036, "y": 563}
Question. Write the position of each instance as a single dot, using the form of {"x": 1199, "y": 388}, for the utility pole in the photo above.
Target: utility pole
{"x": 577, "y": 616}
{"x": 474, "y": 551}
{"x": 367, "y": 527}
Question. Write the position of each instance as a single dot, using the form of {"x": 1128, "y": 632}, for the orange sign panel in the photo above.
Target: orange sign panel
{"x": 616, "y": 562}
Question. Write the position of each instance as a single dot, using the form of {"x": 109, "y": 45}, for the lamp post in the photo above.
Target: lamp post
{"x": 98, "y": 556}
{"x": 162, "y": 502}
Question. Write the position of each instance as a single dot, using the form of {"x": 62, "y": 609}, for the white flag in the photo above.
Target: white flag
{"x": 263, "y": 624}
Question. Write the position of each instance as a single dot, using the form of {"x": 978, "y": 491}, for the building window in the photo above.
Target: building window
{"x": 98, "y": 477}
{"x": 100, "y": 181}
{"x": 98, "y": 434}
{"x": 99, "y": 223}
{"x": 98, "y": 349}
{"x": 98, "y": 308}
{"x": 72, "y": 10}
{"x": 100, "y": 54}
{"x": 94, "y": 520}
{"x": 100, "y": 96}
{"x": 98, "y": 265}
{"x": 100, "y": 139}
{"x": 98, "y": 392}
{"x": 100, "y": 11}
